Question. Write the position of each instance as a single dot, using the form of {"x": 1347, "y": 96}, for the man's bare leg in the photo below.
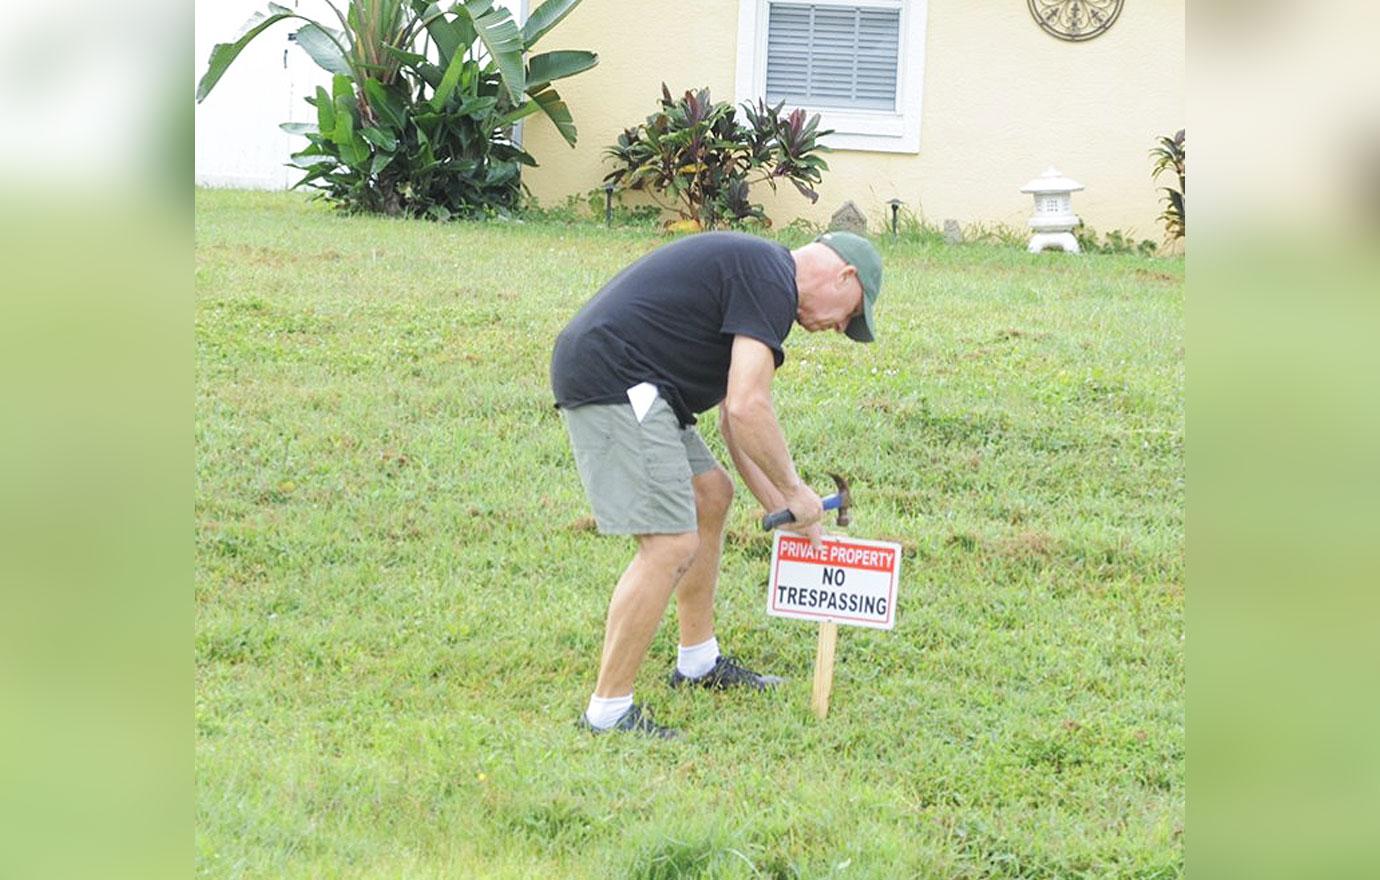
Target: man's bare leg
{"x": 699, "y": 659}
{"x": 637, "y": 606}
{"x": 695, "y": 592}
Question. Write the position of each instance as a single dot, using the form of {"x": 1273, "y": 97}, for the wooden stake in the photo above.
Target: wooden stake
{"x": 824, "y": 668}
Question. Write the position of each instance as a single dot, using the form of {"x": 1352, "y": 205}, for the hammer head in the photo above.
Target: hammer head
{"x": 845, "y": 500}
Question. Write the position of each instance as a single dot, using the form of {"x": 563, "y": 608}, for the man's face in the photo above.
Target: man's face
{"x": 833, "y": 304}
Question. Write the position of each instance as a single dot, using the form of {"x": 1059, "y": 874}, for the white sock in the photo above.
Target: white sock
{"x": 696, "y": 660}
{"x": 604, "y": 712}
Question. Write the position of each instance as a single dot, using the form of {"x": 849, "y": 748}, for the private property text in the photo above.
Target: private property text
{"x": 799, "y": 550}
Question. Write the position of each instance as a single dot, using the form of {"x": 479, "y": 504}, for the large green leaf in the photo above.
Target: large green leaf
{"x": 512, "y": 153}
{"x": 357, "y": 154}
{"x": 302, "y": 160}
{"x": 556, "y": 110}
{"x": 380, "y": 138}
{"x": 522, "y": 112}
{"x": 452, "y": 36}
{"x": 325, "y": 112}
{"x": 299, "y": 127}
{"x": 222, "y": 54}
{"x": 426, "y": 157}
{"x": 354, "y": 150}
{"x": 500, "y": 35}
{"x": 474, "y": 8}
{"x": 544, "y": 18}
{"x": 477, "y": 106}
{"x": 550, "y": 66}
{"x": 344, "y": 130}
{"x": 316, "y": 172}
{"x": 430, "y": 73}
{"x": 448, "y": 82}
{"x": 497, "y": 172}
{"x": 411, "y": 59}
{"x": 387, "y": 105}
{"x": 326, "y": 48}
{"x": 344, "y": 87}
{"x": 381, "y": 161}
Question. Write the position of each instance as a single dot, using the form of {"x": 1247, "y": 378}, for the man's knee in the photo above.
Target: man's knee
{"x": 676, "y": 550}
{"x": 713, "y": 494}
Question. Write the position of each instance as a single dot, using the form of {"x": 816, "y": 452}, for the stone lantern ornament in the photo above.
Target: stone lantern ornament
{"x": 1053, "y": 220}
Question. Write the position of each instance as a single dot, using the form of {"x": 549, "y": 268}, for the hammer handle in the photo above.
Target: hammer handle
{"x": 784, "y": 515}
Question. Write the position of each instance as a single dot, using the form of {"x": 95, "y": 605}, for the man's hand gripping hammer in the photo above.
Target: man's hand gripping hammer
{"x": 839, "y": 501}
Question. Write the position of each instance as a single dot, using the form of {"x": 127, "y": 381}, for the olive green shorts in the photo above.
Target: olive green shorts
{"x": 637, "y": 475}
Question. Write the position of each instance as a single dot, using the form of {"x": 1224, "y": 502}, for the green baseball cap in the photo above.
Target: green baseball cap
{"x": 859, "y": 253}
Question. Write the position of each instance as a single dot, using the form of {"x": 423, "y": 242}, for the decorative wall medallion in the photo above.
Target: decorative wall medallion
{"x": 1075, "y": 20}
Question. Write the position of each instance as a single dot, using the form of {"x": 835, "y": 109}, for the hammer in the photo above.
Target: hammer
{"x": 839, "y": 501}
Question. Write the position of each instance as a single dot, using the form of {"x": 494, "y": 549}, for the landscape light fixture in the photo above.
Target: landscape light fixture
{"x": 895, "y": 210}
{"x": 608, "y": 204}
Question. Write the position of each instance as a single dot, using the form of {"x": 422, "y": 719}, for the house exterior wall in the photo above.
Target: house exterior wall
{"x": 1001, "y": 100}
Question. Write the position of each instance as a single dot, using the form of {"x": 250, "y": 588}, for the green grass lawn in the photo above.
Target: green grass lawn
{"x": 400, "y": 599}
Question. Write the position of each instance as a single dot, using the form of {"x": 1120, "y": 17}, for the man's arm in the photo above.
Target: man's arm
{"x": 762, "y": 489}
{"x": 748, "y": 422}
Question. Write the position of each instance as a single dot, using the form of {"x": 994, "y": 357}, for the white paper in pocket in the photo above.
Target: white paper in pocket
{"x": 641, "y": 396}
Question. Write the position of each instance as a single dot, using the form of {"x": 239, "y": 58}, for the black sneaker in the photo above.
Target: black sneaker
{"x": 727, "y": 673}
{"x": 636, "y": 720}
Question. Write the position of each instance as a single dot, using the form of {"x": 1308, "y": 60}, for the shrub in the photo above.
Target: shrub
{"x": 419, "y": 117}
{"x": 1168, "y": 154}
{"x": 697, "y": 152}
{"x": 1115, "y": 242}
{"x": 590, "y": 207}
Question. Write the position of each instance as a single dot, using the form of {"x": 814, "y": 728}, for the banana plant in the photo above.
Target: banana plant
{"x": 423, "y": 100}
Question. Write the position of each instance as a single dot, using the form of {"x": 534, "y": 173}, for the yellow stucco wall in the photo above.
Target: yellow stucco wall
{"x": 1002, "y": 100}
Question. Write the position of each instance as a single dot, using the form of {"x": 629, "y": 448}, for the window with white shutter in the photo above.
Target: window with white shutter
{"x": 832, "y": 56}
{"x": 858, "y": 63}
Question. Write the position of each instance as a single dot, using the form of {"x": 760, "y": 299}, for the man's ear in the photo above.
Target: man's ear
{"x": 847, "y": 273}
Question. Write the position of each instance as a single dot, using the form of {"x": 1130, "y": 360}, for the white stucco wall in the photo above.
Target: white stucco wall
{"x": 238, "y": 142}
{"x": 1002, "y": 101}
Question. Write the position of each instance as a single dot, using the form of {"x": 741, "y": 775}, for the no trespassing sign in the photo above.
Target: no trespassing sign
{"x": 848, "y": 580}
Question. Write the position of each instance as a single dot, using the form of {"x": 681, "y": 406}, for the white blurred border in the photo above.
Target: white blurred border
{"x": 89, "y": 91}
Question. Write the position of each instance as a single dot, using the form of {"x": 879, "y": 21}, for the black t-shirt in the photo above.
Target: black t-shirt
{"x": 670, "y": 318}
